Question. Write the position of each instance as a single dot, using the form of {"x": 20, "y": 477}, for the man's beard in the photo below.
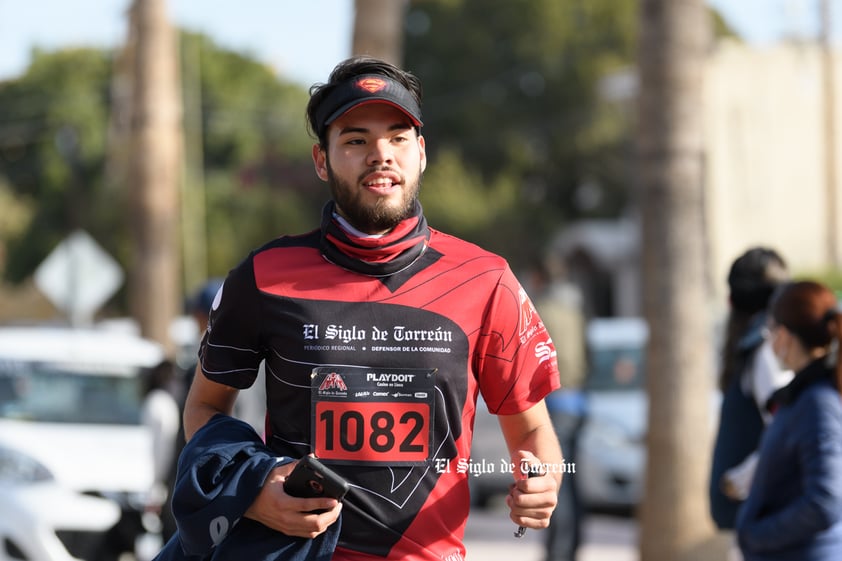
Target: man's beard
{"x": 379, "y": 217}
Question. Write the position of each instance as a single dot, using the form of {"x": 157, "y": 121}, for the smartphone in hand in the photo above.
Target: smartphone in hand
{"x": 310, "y": 478}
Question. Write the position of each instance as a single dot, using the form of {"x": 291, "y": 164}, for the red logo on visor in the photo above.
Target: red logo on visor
{"x": 371, "y": 85}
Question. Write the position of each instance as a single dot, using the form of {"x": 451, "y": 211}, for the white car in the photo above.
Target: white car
{"x": 611, "y": 451}
{"x": 75, "y": 461}
{"x": 611, "y": 455}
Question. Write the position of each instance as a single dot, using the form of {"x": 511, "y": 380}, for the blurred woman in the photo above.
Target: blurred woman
{"x": 749, "y": 374}
{"x": 794, "y": 509}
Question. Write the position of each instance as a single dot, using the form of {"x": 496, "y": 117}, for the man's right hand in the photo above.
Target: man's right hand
{"x": 291, "y": 515}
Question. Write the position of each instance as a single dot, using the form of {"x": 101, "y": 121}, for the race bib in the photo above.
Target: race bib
{"x": 373, "y": 415}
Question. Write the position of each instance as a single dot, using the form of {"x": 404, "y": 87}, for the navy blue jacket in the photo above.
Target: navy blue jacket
{"x": 794, "y": 509}
{"x": 740, "y": 427}
{"x": 220, "y": 473}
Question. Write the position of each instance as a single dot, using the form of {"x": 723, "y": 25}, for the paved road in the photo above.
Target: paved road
{"x": 489, "y": 537}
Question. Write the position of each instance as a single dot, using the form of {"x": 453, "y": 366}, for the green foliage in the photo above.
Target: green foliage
{"x": 520, "y": 137}
{"x": 243, "y": 218}
{"x": 246, "y": 109}
{"x": 254, "y": 154}
{"x": 519, "y": 98}
{"x": 455, "y": 198}
{"x": 52, "y": 139}
{"x": 259, "y": 177}
{"x": 829, "y": 277}
{"x": 527, "y": 90}
{"x": 15, "y": 213}
{"x": 721, "y": 28}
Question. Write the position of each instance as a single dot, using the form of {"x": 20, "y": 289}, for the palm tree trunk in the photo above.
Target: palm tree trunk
{"x": 675, "y": 523}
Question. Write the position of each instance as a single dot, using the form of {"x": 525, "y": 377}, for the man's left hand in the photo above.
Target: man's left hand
{"x": 531, "y": 500}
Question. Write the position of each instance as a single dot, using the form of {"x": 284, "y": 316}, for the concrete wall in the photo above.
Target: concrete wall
{"x": 765, "y": 170}
{"x": 764, "y": 130}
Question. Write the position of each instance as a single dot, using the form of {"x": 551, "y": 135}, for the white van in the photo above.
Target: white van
{"x": 74, "y": 457}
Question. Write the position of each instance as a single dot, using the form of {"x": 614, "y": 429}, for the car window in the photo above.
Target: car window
{"x": 64, "y": 394}
{"x": 616, "y": 368}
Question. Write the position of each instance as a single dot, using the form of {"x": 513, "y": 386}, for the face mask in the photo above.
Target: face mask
{"x": 780, "y": 360}
{"x": 772, "y": 357}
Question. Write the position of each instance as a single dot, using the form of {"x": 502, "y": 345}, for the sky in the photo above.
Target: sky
{"x": 301, "y": 39}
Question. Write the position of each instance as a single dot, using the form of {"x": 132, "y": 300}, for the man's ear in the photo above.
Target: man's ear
{"x": 320, "y": 161}
{"x": 422, "y": 144}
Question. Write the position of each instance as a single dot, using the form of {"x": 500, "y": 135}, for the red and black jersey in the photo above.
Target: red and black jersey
{"x": 379, "y": 374}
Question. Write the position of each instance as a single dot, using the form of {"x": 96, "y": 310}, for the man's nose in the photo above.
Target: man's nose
{"x": 381, "y": 152}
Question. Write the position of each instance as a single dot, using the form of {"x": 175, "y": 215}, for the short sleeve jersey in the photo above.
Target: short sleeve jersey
{"x": 379, "y": 377}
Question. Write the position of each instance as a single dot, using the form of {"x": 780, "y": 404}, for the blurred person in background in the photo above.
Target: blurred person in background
{"x": 793, "y": 511}
{"x": 198, "y": 307}
{"x": 749, "y": 374}
{"x": 161, "y": 415}
{"x": 559, "y": 304}
{"x": 251, "y": 404}
{"x": 161, "y": 418}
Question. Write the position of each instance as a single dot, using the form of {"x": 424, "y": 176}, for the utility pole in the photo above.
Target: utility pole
{"x": 193, "y": 201}
{"x": 829, "y": 132}
{"x": 378, "y": 29}
{"x": 155, "y": 168}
